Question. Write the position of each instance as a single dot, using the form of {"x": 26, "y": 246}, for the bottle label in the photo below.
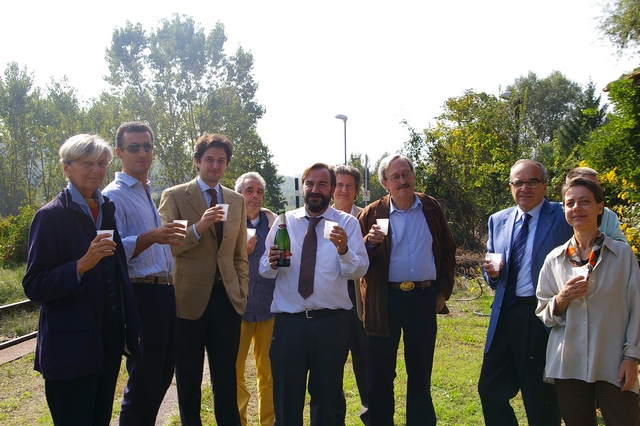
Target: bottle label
{"x": 285, "y": 255}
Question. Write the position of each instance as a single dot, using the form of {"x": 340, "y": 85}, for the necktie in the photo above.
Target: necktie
{"x": 308, "y": 258}
{"x": 517, "y": 253}
{"x": 216, "y": 225}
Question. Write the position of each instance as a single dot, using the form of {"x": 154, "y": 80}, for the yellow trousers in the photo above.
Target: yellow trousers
{"x": 260, "y": 334}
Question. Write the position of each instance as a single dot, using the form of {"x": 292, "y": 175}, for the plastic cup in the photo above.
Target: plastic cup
{"x": 495, "y": 259}
{"x": 580, "y": 271}
{"x": 225, "y": 210}
{"x": 106, "y": 231}
{"x": 250, "y": 233}
{"x": 182, "y": 223}
{"x": 328, "y": 228}
{"x": 384, "y": 225}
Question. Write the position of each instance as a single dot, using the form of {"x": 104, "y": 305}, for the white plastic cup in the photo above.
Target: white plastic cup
{"x": 384, "y": 225}
{"x": 182, "y": 223}
{"x": 106, "y": 231}
{"x": 580, "y": 271}
{"x": 495, "y": 259}
{"x": 225, "y": 211}
{"x": 250, "y": 233}
{"x": 328, "y": 228}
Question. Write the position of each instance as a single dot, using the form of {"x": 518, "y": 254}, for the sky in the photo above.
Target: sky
{"x": 378, "y": 63}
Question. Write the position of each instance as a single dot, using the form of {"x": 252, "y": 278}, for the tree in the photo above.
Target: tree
{"x": 464, "y": 159}
{"x": 180, "y": 80}
{"x": 547, "y": 103}
{"x": 621, "y": 24}
{"x": 18, "y": 104}
{"x": 588, "y": 115}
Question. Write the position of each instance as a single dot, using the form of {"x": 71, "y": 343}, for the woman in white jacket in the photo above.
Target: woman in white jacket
{"x": 589, "y": 294}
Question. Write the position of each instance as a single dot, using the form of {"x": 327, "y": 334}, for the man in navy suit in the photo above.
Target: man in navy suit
{"x": 514, "y": 353}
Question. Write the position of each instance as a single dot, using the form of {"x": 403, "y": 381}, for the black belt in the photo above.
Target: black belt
{"x": 529, "y": 300}
{"x": 317, "y": 313}
{"x": 410, "y": 285}
{"x": 153, "y": 280}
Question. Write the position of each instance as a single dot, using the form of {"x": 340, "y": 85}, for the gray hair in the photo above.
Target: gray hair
{"x": 543, "y": 171}
{"x": 84, "y": 147}
{"x": 249, "y": 175}
{"x": 386, "y": 161}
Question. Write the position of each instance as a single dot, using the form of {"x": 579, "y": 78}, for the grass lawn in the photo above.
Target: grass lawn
{"x": 457, "y": 365}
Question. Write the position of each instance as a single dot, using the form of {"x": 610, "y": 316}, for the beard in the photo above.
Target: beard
{"x": 315, "y": 206}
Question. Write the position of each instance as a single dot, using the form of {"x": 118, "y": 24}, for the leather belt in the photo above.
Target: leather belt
{"x": 317, "y": 313}
{"x": 410, "y": 285}
{"x": 153, "y": 280}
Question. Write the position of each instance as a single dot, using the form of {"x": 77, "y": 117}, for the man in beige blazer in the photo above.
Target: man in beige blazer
{"x": 211, "y": 281}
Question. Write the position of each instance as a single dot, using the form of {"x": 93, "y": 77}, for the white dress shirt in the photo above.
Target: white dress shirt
{"x": 332, "y": 270}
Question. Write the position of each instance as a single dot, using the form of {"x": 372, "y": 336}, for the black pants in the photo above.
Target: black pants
{"x": 315, "y": 347}
{"x": 414, "y": 314}
{"x": 88, "y": 400}
{"x": 515, "y": 361}
{"x": 148, "y": 381}
{"x": 218, "y": 330}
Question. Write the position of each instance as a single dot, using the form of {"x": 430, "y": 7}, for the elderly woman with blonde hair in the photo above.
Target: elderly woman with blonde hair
{"x": 88, "y": 315}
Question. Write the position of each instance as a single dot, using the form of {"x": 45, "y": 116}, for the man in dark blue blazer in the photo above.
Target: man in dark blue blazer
{"x": 514, "y": 354}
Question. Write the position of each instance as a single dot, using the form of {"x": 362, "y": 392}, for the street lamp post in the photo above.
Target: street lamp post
{"x": 344, "y": 119}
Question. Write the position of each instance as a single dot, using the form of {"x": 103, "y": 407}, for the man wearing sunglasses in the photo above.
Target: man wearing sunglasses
{"x": 515, "y": 350}
{"x": 146, "y": 243}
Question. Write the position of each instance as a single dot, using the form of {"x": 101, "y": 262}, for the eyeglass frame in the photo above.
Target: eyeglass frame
{"x": 134, "y": 148}
{"x": 395, "y": 179}
{"x": 533, "y": 183}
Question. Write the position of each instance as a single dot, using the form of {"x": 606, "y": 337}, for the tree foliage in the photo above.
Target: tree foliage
{"x": 621, "y": 24}
{"x": 180, "y": 80}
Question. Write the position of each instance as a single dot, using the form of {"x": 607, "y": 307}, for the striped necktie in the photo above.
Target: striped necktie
{"x": 517, "y": 254}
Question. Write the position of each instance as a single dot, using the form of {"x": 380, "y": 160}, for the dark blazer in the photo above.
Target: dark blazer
{"x": 552, "y": 230}
{"x": 70, "y": 330}
{"x": 374, "y": 285}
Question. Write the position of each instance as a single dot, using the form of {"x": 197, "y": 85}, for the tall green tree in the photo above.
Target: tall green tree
{"x": 18, "y": 105}
{"x": 180, "y": 80}
{"x": 546, "y": 102}
{"x": 463, "y": 160}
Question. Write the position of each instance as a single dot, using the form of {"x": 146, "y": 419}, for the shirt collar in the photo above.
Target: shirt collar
{"x": 77, "y": 198}
{"x": 534, "y": 212}
{"x": 128, "y": 179}
{"x": 393, "y": 208}
{"x": 203, "y": 186}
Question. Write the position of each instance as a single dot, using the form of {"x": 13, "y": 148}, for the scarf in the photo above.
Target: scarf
{"x": 574, "y": 253}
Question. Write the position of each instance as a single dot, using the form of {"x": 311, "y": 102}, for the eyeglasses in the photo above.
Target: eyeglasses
{"x": 533, "y": 183}
{"x": 135, "y": 147}
{"x": 396, "y": 178}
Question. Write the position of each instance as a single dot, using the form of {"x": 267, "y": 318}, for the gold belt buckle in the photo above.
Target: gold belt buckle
{"x": 407, "y": 285}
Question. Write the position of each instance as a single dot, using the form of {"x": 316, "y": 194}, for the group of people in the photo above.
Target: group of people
{"x": 565, "y": 322}
{"x": 163, "y": 293}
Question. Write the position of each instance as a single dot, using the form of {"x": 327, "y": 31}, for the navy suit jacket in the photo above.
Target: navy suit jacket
{"x": 70, "y": 330}
{"x": 552, "y": 230}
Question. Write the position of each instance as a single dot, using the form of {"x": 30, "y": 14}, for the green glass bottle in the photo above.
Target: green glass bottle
{"x": 283, "y": 242}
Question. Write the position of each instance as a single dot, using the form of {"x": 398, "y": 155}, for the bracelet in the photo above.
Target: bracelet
{"x": 629, "y": 358}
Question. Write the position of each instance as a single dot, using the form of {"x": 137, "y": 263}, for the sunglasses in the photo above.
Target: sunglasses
{"x": 135, "y": 147}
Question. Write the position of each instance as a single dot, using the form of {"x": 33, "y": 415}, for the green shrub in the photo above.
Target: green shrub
{"x": 14, "y": 233}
